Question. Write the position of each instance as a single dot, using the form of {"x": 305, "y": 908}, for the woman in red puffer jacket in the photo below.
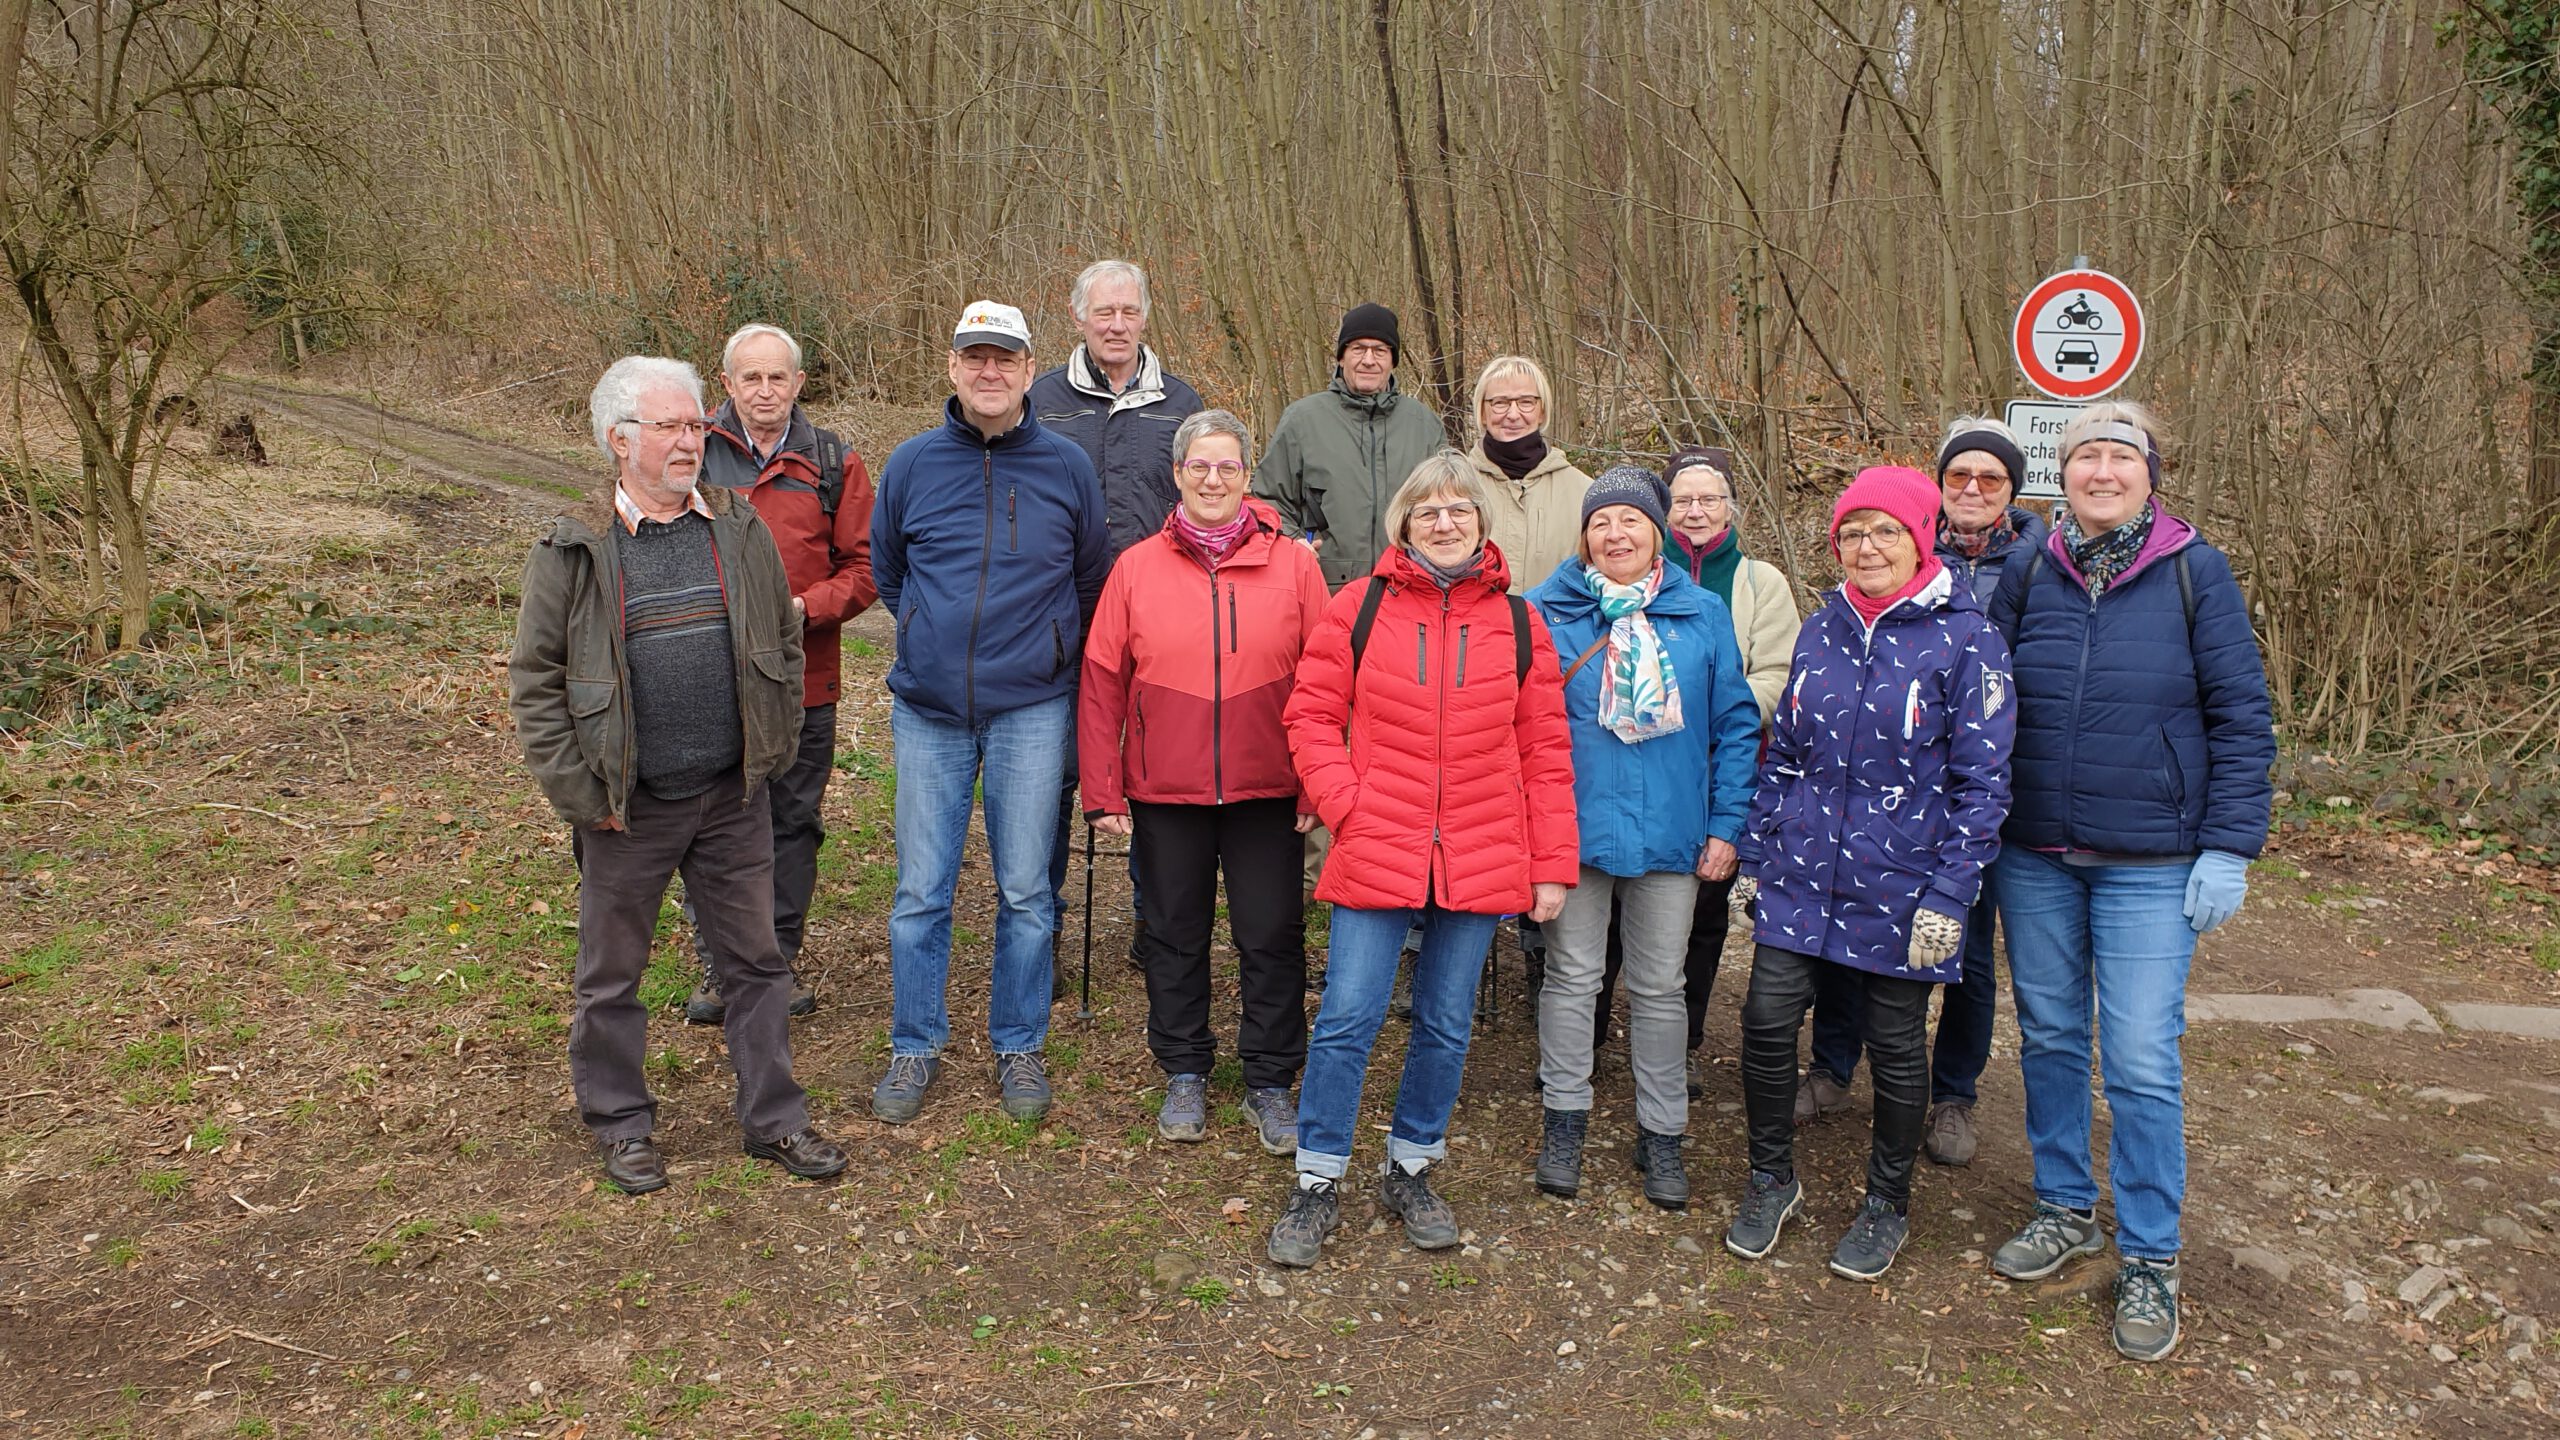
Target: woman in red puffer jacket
{"x": 1438, "y": 756}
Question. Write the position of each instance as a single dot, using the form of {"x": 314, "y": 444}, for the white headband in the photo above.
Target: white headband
{"x": 2117, "y": 430}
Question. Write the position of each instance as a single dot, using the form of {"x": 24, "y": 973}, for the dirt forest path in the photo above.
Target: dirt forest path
{"x": 444, "y": 451}
{"x": 287, "y": 1149}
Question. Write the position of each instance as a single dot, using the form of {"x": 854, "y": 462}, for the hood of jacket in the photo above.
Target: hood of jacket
{"x": 1378, "y": 404}
{"x": 1086, "y": 378}
{"x": 799, "y": 435}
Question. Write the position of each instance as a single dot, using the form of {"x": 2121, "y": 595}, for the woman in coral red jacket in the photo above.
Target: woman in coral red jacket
{"x": 1179, "y": 741}
{"x": 1438, "y": 756}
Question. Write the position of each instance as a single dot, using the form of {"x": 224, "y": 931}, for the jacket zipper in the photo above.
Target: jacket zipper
{"x": 1231, "y": 617}
{"x": 1421, "y": 648}
{"x": 1012, "y": 534}
{"x": 977, "y": 612}
{"x": 1138, "y": 715}
{"x": 1462, "y": 656}
{"x": 2079, "y": 693}
{"x": 1439, "y": 760}
{"x": 1217, "y": 697}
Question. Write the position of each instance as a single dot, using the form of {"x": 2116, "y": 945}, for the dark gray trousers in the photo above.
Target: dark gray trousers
{"x": 722, "y": 842}
{"x": 799, "y": 828}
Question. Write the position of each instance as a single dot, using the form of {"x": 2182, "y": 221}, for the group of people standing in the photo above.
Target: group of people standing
{"x": 1479, "y": 684}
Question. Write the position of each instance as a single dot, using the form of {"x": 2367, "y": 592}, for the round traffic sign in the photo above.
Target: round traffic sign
{"x": 2078, "y": 334}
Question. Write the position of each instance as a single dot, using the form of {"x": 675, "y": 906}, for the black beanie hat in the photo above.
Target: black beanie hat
{"x": 1990, "y": 442}
{"x": 1369, "y": 320}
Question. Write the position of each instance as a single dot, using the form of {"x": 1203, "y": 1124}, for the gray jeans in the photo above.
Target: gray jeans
{"x": 1654, "y": 912}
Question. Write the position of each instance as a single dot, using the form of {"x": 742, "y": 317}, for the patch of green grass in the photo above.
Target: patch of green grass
{"x": 418, "y": 1229}
{"x": 35, "y": 968}
{"x": 2546, "y": 951}
{"x": 164, "y": 1184}
{"x": 2275, "y": 867}
{"x": 738, "y": 1177}
{"x": 1450, "y": 1277}
{"x": 382, "y": 1252}
{"x": 161, "y": 1054}
{"x": 208, "y": 1137}
{"x": 120, "y": 1253}
{"x": 252, "y": 1428}
{"x": 1208, "y": 1292}
{"x": 1227, "y": 1074}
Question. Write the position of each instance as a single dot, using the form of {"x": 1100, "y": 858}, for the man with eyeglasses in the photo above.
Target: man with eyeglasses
{"x": 1339, "y": 455}
{"x": 812, "y": 493}
{"x": 989, "y": 546}
{"x": 655, "y": 685}
{"x": 1115, "y": 399}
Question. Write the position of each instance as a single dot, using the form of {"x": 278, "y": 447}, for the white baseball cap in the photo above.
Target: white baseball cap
{"x": 986, "y": 322}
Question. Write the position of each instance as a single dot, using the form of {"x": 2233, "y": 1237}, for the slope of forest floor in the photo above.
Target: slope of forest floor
{"x": 286, "y": 1145}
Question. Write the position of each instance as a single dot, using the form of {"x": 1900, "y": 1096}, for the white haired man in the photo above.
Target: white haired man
{"x": 810, "y": 489}
{"x": 1115, "y": 399}
{"x": 656, "y": 690}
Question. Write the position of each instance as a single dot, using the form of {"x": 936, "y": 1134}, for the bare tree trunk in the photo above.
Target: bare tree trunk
{"x": 1444, "y": 390}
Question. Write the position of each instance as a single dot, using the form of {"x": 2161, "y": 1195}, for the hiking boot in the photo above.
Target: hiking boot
{"x": 1874, "y": 1238}
{"x": 1666, "y": 1175}
{"x": 1697, "y": 1077}
{"x": 1767, "y": 1204}
{"x": 705, "y": 1006}
{"x": 634, "y": 1165}
{"x": 1315, "y": 1211}
{"x": 1184, "y": 1117}
{"x": 899, "y": 1097}
{"x": 1275, "y": 1119}
{"x": 1428, "y": 1221}
{"x": 1023, "y": 1080}
{"x": 804, "y": 996}
{"x": 1950, "y": 1138}
{"x": 807, "y": 1154}
{"x": 2052, "y": 1239}
{"x": 1821, "y": 1094}
{"x": 1560, "y": 1153}
{"x": 2146, "y": 1309}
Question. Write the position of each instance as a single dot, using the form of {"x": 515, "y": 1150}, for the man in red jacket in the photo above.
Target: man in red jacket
{"x": 812, "y": 492}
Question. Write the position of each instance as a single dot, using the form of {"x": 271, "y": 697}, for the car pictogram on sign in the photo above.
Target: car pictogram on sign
{"x": 2082, "y": 353}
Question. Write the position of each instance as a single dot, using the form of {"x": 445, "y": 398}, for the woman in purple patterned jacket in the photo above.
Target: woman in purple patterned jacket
{"x": 1880, "y": 801}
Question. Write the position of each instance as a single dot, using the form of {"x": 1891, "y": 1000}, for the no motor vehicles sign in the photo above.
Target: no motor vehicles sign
{"x": 2078, "y": 334}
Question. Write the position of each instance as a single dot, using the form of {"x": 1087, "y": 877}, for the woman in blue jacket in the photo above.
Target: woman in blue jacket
{"x": 1665, "y": 733}
{"x": 2144, "y": 741}
{"x": 1880, "y": 801}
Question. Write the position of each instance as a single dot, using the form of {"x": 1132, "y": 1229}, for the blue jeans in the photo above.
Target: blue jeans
{"x": 2114, "y": 938}
{"x": 1358, "y": 980}
{"x": 1017, "y": 756}
{"x": 1964, "y": 1014}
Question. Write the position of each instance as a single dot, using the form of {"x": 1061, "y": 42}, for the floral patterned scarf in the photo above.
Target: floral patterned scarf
{"x": 2102, "y": 558}
{"x": 1639, "y": 696}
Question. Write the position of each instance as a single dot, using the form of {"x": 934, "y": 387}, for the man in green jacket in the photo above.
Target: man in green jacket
{"x": 656, "y": 689}
{"x": 1337, "y": 457}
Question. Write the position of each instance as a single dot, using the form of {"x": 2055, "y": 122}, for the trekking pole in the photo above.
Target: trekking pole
{"x": 1084, "y": 1009}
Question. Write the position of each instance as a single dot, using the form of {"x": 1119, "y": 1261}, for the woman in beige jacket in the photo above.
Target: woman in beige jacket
{"x": 1706, "y": 542}
{"x": 1536, "y": 492}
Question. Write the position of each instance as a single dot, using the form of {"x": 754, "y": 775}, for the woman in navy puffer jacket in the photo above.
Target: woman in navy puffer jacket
{"x": 1880, "y": 802}
{"x": 2144, "y": 742}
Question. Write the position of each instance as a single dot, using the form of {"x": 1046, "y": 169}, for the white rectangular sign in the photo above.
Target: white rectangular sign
{"x": 2039, "y": 425}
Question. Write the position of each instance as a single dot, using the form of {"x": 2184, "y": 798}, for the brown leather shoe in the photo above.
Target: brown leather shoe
{"x": 634, "y": 1165}
{"x": 808, "y": 1154}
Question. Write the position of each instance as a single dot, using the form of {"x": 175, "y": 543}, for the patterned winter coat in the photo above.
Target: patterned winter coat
{"x": 1454, "y": 780}
{"x": 1886, "y": 780}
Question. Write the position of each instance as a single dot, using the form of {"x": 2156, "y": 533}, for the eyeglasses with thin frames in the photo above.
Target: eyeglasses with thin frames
{"x": 670, "y": 429}
{"x": 1883, "y": 537}
{"x": 1461, "y": 513}
{"x": 1704, "y": 504}
{"x": 1223, "y": 469}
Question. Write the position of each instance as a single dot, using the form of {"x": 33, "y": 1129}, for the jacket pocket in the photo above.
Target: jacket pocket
{"x": 1462, "y": 657}
{"x": 591, "y": 716}
{"x": 1138, "y": 734}
{"x": 1057, "y": 648}
{"x": 2173, "y": 772}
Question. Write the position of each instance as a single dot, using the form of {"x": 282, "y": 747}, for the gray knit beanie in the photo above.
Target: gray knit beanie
{"x": 1627, "y": 485}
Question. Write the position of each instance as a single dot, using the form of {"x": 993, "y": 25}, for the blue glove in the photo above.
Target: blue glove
{"x": 2215, "y": 888}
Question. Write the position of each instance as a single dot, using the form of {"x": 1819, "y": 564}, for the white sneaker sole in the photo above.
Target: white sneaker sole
{"x": 1776, "y": 1233}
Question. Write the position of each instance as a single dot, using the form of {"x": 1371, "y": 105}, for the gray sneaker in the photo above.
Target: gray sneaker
{"x": 1874, "y": 1238}
{"x": 1767, "y": 1203}
{"x": 2053, "y": 1239}
{"x": 1314, "y": 1212}
{"x": 1275, "y": 1119}
{"x": 1821, "y": 1094}
{"x": 899, "y": 1097}
{"x": 1023, "y": 1080}
{"x": 2147, "y": 1309}
{"x": 1185, "y": 1114}
{"x": 1428, "y": 1221}
{"x": 1666, "y": 1174}
{"x": 1559, "y": 1171}
{"x": 1950, "y": 1138}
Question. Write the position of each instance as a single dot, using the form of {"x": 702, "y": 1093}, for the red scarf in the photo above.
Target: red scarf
{"x": 1213, "y": 546}
{"x": 1870, "y": 608}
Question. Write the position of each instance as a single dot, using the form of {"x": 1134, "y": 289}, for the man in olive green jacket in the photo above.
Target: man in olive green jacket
{"x": 656, "y": 689}
{"x": 1337, "y": 457}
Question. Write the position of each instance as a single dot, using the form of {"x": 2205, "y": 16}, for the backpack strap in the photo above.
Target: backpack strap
{"x": 830, "y": 472}
{"x": 1367, "y": 621}
{"x": 2186, "y": 590}
{"x": 1519, "y": 640}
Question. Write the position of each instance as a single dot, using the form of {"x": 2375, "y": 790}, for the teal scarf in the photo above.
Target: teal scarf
{"x": 1639, "y": 696}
